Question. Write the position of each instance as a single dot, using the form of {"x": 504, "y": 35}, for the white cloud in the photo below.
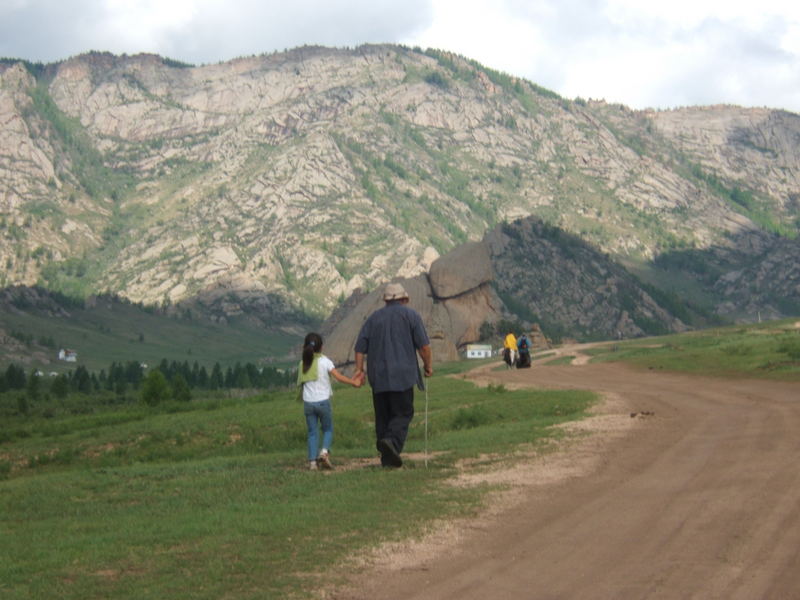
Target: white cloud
{"x": 199, "y": 31}
{"x": 638, "y": 53}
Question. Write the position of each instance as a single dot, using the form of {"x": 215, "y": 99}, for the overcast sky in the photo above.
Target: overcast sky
{"x": 639, "y": 53}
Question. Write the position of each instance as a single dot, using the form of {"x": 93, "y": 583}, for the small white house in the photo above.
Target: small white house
{"x": 479, "y": 351}
{"x": 68, "y": 355}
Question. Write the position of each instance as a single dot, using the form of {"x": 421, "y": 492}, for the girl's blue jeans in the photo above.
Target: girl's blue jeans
{"x": 318, "y": 413}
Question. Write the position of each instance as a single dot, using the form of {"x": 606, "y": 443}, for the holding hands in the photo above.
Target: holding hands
{"x": 358, "y": 379}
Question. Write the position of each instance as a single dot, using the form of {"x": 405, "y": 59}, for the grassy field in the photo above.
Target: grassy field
{"x": 211, "y": 499}
{"x": 767, "y": 350}
{"x": 122, "y": 332}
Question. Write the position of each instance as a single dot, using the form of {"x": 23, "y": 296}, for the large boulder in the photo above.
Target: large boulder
{"x": 451, "y": 321}
{"x": 462, "y": 270}
{"x": 340, "y": 342}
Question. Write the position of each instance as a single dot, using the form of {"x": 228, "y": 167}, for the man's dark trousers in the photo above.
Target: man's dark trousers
{"x": 393, "y": 414}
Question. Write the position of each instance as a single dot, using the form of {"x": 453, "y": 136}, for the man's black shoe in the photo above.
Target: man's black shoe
{"x": 389, "y": 455}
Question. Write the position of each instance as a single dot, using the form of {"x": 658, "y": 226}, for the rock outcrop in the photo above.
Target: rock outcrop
{"x": 452, "y": 301}
{"x": 556, "y": 283}
{"x": 462, "y": 270}
{"x": 553, "y": 278}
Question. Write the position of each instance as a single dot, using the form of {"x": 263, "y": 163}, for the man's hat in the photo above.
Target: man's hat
{"x": 394, "y": 291}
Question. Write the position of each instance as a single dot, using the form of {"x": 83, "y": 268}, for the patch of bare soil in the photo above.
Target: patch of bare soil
{"x": 676, "y": 487}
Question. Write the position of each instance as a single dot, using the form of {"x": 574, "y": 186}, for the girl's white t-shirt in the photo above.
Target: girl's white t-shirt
{"x": 319, "y": 390}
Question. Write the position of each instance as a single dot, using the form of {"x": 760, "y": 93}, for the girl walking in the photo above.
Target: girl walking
{"x": 313, "y": 377}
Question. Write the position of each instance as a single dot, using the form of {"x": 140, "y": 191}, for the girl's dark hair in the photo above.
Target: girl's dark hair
{"x": 312, "y": 344}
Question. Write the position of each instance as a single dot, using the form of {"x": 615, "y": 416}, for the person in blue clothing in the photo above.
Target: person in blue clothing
{"x": 313, "y": 379}
{"x": 523, "y": 351}
{"x": 390, "y": 340}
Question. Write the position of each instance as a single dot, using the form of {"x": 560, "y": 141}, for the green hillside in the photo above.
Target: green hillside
{"x": 114, "y": 330}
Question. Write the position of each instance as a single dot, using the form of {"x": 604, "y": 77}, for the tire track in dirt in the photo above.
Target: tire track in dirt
{"x": 699, "y": 500}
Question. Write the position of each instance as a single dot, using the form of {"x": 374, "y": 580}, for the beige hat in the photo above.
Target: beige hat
{"x": 394, "y": 291}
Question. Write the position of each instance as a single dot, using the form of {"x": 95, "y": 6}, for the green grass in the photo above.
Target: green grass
{"x": 561, "y": 360}
{"x": 122, "y": 332}
{"x": 768, "y": 350}
{"x": 212, "y": 501}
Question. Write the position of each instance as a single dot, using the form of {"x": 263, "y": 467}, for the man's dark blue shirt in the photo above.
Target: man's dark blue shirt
{"x": 390, "y": 338}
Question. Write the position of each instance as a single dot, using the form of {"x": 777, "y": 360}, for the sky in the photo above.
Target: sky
{"x": 638, "y": 53}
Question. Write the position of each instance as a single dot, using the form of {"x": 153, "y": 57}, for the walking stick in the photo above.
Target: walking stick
{"x": 426, "y": 424}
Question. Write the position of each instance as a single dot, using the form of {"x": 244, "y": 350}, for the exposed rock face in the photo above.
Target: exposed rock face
{"x": 451, "y": 323}
{"x": 759, "y": 144}
{"x": 305, "y": 175}
{"x": 555, "y": 279}
{"x": 20, "y": 298}
{"x": 459, "y": 271}
{"x": 767, "y": 287}
{"x": 541, "y": 273}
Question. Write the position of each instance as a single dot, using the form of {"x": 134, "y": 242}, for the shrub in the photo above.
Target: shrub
{"x": 180, "y": 389}
{"x": 791, "y": 348}
{"x": 497, "y": 389}
{"x": 436, "y": 79}
{"x": 155, "y": 388}
{"x": 469, "y": 418}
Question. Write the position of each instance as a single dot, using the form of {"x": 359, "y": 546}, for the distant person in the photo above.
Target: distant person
{"x": 510, "y": 350}
{"x": 524, "y": 351}
{"x": 313, "y": 376}
{"x": 391, "y": 338}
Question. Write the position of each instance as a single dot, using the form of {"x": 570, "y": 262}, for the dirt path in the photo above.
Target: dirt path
{"x": 697, "y": 496}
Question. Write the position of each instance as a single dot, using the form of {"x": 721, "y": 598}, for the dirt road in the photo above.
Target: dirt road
{"x": 696, "y": 496}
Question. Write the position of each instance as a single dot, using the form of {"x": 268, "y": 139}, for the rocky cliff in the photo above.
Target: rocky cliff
{"x": 285, "y": 182}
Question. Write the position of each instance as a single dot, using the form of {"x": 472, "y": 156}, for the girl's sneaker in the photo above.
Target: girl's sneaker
{"x": 324, "y": 460}
{"x": 312, "y": 465}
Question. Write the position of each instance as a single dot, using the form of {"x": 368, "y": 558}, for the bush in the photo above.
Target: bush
{"x": 155, "y": 388}
{"x": 180, "y": 389}
{"x": 437, "y": 79}
{"x": 60, "y": 386}
{"x": 469, "y": 418}
{"x": 791, "y": 348}
{"x": 22, "y": 406}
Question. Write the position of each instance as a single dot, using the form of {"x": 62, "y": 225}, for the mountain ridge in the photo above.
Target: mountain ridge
{"x": 300, "y": 177}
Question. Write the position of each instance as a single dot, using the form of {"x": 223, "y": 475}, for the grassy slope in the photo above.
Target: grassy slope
{"x": 214, "y": 501}
{"x": 768, "y": 350}
{"x": 126, "y": 332}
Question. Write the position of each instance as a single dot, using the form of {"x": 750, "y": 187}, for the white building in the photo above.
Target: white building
{"x": 479, "y": 351}
{"x": 68, "y": 355}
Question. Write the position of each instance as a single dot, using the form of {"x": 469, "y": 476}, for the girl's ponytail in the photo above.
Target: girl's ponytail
{"x": 311, "y": 345}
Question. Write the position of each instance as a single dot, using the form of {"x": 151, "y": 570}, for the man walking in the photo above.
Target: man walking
{"x": 391, "y": 338}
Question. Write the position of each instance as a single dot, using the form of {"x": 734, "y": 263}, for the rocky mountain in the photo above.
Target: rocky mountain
{"x": 283, "y": 183}
{"x": 526, "y": 273}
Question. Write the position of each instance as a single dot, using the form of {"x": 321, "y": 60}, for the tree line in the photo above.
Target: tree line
{"x": 122, "y": 377}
